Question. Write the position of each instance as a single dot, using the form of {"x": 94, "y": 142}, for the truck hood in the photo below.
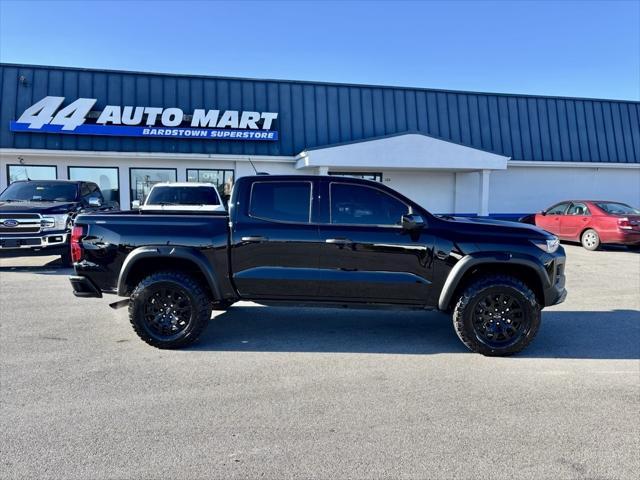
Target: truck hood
{"x": 489, "y": 226}
{"x": 37, "y": 207}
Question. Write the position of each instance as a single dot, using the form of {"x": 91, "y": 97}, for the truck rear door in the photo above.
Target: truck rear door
{"x": 274, "y": 239}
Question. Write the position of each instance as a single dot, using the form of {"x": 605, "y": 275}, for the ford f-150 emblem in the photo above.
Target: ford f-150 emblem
{"x": 10, "y": 223}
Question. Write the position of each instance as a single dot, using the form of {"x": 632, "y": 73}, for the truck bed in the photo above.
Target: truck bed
{"x": 115, "y": 235}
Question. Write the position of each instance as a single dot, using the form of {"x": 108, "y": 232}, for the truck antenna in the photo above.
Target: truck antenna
{"x": 255, "y": 169}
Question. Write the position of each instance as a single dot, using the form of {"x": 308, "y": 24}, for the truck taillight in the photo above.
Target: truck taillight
{"x": 624, "y": 223}
{"x": 76, "y": 246}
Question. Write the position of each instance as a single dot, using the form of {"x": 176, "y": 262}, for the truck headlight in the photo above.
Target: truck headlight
{"x": 549, "y": 245}
{"x": 55, "y": 222}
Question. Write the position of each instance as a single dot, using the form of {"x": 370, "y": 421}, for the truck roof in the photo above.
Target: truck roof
{"x": 184, "y": 184}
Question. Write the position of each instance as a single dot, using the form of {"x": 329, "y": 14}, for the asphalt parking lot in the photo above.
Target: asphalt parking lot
{"x": 301, "y": 393}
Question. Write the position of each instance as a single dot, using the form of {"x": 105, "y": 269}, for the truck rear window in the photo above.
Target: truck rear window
{"x": 172, "y": 195}
{"x": 281, "y": 201}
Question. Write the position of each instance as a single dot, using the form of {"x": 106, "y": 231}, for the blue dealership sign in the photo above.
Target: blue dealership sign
{"x": 48, "y": 116}
{"x": 162, "y": 132}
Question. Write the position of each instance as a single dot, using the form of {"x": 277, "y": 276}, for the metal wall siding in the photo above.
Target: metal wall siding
{"x": 634, "y": 117}
{"x": 318, "y": 114}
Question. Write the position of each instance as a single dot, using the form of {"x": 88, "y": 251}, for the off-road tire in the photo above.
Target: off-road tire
{"x": 590, "y": 239}
{"x": 463, "y": 312}
{"x": 199, "y": 301}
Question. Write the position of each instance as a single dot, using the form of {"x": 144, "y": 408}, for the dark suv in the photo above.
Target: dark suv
{"x": 36, "y": 215}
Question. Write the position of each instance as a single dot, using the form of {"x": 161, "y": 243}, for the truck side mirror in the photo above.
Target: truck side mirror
{"x": 135, "y": 204}
{"x": 94, "y": 202}
{"x": 411, "y": 222}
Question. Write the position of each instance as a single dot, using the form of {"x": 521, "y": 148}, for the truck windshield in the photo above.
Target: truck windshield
{"x": 40, "y": 192}
{"x": 170, "y": 195}
{"x": 616, "y": 208}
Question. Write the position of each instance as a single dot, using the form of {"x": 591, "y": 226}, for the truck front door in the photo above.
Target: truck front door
{"x": 366, "y": 256}
{"x": 274, "y": 241}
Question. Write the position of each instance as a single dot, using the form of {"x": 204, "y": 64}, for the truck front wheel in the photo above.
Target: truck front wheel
{"x": 497, "y": 315}
{"x": 169, "y": 309}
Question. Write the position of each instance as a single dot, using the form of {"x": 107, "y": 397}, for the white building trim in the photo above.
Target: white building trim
{"x": 410, "y": 151}
{"x": 6, "y": 153}
{"x": 561, "y": 164}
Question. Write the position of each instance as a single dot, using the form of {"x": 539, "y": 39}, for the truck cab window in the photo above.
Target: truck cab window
{"x": 363, "y": 205}
{"x": 287, "y": 201}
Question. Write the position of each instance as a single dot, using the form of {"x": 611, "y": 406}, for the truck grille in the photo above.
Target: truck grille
{"x": 20, "y": 223}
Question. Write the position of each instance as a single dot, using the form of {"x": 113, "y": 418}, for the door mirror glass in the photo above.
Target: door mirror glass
{"x": 94, "y": 202}
{"x": 543, "y": 212}
{"x": 412, "y": 221}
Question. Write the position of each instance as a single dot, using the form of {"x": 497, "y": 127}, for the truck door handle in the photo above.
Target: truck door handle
{"x": 255, "y": 239}
{"x": 338, "y": 241}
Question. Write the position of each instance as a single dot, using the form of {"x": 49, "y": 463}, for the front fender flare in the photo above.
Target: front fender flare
{"x": 473, "y": 260}
{"x": 184, "y": 253}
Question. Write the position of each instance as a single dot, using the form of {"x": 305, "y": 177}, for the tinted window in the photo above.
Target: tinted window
{"x": 361, "y": 205}
{"x": 41, "y": 191}
{"x": 183, "y": 196}
{"x": 578, "y": 209}
{"x": 558, "y": 209}
{"x": 618, "y": 208}
{"x": 281, "y": 201}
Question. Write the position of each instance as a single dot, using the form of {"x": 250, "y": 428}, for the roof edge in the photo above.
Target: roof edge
{"x": 312, "y": 82}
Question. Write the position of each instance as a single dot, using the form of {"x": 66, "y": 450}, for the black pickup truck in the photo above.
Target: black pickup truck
{"x": 36, "y": 215}
{"x": 320, "y": 241}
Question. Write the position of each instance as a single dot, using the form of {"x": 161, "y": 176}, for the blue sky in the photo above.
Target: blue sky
{"x": 573, "y": 48}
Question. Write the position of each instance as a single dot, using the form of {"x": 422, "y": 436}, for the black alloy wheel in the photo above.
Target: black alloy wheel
{"x": 496, "y": 315}
{"x": 499, "y": 320}
{"x": 169, "y": 309}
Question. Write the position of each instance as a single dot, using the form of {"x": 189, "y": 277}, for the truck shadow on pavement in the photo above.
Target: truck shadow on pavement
{"x": 580, "y": 335}
{"x": 53, "y": 267}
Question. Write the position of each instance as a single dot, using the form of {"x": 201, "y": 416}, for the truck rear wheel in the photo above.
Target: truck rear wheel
{"x": 497, "y": 315}
{"x": 169, "y": 309}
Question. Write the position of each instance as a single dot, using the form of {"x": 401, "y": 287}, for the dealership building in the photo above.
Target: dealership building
{"x": 456, "y": 152}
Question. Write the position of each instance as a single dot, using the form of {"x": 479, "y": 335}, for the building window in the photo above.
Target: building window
{"x": 142, "y": 179}
{"x": 105, "y": 177}
{"x": 375, "y": 176}
{"x": 222, "y": 179}
{"x": 31, "y": 172}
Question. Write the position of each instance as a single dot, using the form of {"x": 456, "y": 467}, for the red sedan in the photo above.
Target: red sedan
{"x": 592, "y": 223}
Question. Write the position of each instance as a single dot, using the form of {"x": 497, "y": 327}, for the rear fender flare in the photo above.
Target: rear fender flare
{"x": 468, "y": 262}
{"x": 183, "y": 253}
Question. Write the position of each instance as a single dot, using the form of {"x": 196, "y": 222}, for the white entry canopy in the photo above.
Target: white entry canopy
{"x": 414, "y": 151}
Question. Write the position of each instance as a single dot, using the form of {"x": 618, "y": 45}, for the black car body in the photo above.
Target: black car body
{"x": 317, "y": 240}
{"x": 36, "y": 215}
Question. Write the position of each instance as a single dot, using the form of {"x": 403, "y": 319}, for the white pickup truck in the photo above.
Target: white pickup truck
{"x": 188, "y": 197}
